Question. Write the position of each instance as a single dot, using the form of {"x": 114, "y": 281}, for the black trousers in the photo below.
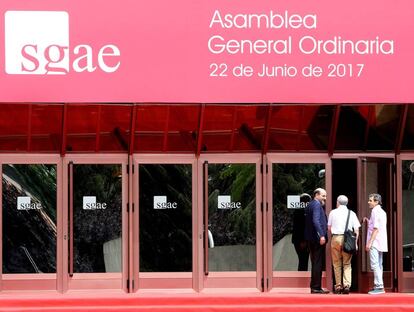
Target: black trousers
{"x": 317, "y": 255}
{"x": 302, "y": 251}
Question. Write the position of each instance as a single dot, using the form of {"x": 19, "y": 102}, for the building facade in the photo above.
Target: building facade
{"x": 166, "y": 145}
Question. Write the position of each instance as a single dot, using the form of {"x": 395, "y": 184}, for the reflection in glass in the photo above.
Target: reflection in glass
{"x": 232, "y": 217}
{"x": 13, "y": 127}
{"x": 97, "y": 218}
{"x": 384, "y": 126}
{"x": 377, "y": 180}
{"x": 408, "y": 214}
{"x": 29, "y": 218}
{"x": 233, "y": 127}
{"x": 293, "y": 186}
{"x": 165, "y": 217}
{"x": 408, "y": 138}
{"x": 166, "y": 127}
{"x": 300, "y": 128}
{"x": 352, "y": 125}
{"x": 371, "y": 127}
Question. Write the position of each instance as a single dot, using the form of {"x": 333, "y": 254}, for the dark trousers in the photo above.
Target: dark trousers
{"x": 303, "y": 255}
{"x": 317, "y": 255}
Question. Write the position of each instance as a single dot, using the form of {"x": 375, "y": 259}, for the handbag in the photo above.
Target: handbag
{"x": 349, "y": 238}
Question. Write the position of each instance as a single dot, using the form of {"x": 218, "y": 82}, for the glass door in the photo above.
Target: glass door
{"x": 376, "y": 175}
{"x": 405, "y": 246}
{"x": 31, "y": 210}
{"x": 95, "y": 222}
{"x": 290, "y": 182}
{"x": 163, "y": 239}
{"x": 230, "y": 221}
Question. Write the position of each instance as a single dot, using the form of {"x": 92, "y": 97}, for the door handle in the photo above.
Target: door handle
{"x": 70, "y": 218}
{"x": 205, "y": 206}
{"x": 210, "y": 240}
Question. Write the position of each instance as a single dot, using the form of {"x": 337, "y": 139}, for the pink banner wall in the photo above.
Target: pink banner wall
{"x": 190, "y": 51}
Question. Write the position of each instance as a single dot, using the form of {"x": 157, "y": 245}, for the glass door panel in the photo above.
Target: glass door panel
{"x": 376, "y": 176}
{"x": 232, "y": 227}
{"x": 163, "y": 235}
{"x": 231, "y": 217}
{"x": 290, "y": 185}
{"x": 29, "y": 225}
{"x": 408, "y": 214}
{"x": 406, "y": 242}
{"x": 293, "y": 186}
{"x": 97, "y": 218}
{"x": 165, "y": 215}
{"x": 96, "y": 226}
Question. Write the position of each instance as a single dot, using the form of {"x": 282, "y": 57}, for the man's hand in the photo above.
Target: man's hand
{"x": 322, "y": 240}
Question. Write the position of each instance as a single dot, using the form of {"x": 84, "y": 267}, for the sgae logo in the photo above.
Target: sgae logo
{"x": 224, "y": 202}
{"x": 293, "y": 202}
{"x": 161, "y": 202}
{"x": 37, "y": 43}
{"x": 89, "y": 203}
{"x": 25, "y": 203}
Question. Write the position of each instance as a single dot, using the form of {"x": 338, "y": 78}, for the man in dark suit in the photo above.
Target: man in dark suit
{"x": 316, "y": 234}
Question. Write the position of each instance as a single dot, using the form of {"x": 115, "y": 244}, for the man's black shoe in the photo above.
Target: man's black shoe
{"x": 319, "y": 291}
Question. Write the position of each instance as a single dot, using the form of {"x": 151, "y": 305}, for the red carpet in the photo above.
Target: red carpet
{"x": 203, "y": 302}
